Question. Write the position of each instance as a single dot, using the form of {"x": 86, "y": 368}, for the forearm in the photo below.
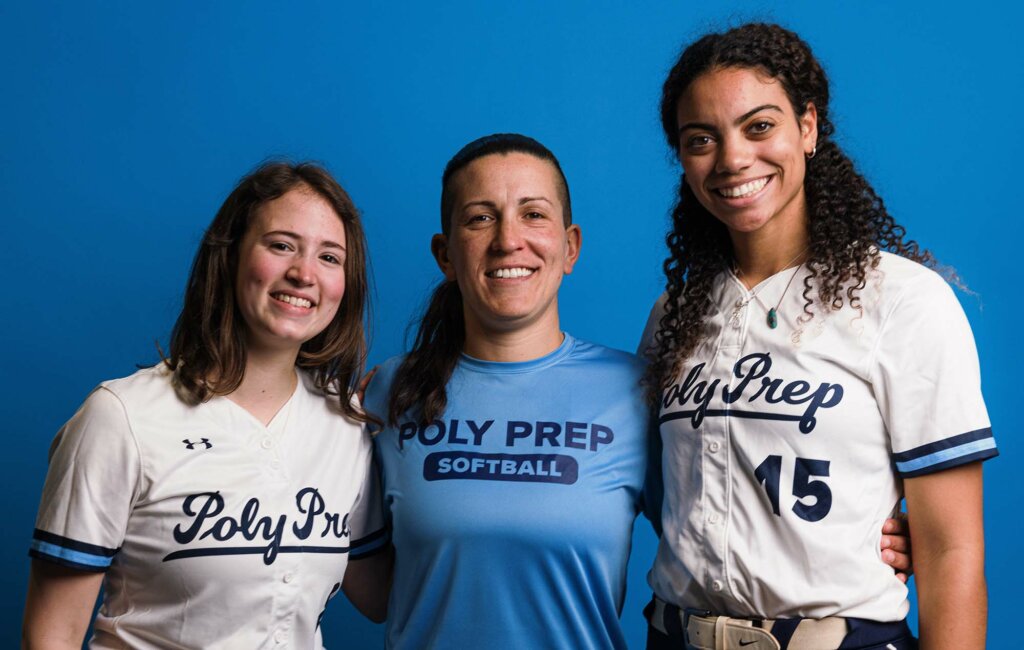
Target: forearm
{"x": 945, "y": 511}
{"x": 58, "y": 607}
{"x": 367, "y": 584}
{"x": 952, "y": 599}
{"x": 42, "y": 639}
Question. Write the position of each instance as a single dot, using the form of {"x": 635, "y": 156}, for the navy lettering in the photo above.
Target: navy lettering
{"x": 576, "y": 435}
{"x": 573, "y": 432}
{"x": 211, "y": 508}
{"x": 547, "y": 431}
{"x": 532, "y": 468}
{"x": 772, "y": 392}
{"x": 479, "y": 431}
{"x": 517, "y": 430}
{"x": 251, "y": 527}
{"x": 827, "y": 396}
{"x": 691, "y": 388}
{"x": 335, "y": 524}
{"x": 406, "y": 432}
{"x": 761, "y": 363}
{"x": 794, "y": 390}
{"x": 204, "y": 508}
{"x": 453, "y": 434}
{"x": 751, "y": 370}
{"x": 600, "y": 435}
{"x": 311, "y": 507}
{"x": 436, "y": 439}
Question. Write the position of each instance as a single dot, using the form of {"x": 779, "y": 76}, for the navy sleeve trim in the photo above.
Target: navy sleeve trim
{"x": 369, "y": 539}
{"x": 362, "y": 555}
{"x": 73, "y": 544}
{"x": 955, "y": 462}
{"x": 52, "y": 559}
{"x": 370, "y": 544}
{"x": 956, "y": 450}
{"x": 70, "y": 552}
{"x": 947, "y": 443}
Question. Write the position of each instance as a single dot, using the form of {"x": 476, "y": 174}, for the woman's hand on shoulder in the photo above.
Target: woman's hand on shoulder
{"x": 363, "y": 383}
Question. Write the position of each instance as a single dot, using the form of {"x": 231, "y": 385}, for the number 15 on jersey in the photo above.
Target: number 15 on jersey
{"x": 813, "y": 495}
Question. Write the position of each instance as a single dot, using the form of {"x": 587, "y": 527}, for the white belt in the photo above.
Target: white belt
{"x": 724, "y": 633}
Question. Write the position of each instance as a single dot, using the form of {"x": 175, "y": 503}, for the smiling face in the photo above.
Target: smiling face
{"x": 291, "y": 275}
{"x": 508, "y": 246}
{"x": 743, "y": 149}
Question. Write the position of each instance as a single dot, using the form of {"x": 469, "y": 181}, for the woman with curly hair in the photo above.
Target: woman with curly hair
{"x": 810, "y": 370}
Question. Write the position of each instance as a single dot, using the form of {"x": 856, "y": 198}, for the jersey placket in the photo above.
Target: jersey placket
{"x": 286, "y": 568}
{"x": 716, "y": 451}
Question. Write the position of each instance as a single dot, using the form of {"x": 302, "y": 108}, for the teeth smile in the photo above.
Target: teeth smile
{"x": 292, "y": 300}
{"x": 743, "y": 191}
{"x": 505, "y": 274}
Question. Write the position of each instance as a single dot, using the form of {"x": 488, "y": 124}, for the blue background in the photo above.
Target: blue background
{"x": 124, "y": 125}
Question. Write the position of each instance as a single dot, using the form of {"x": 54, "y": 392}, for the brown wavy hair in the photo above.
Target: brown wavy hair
{"x": 421, "y": 380}
{"x": 847, "y": 221}
{"x": 208, "y": 351}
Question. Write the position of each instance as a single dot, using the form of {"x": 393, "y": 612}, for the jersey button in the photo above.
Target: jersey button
{"x": 288, "y": 577}
{"x": 266, "y": 443}
{"x": 280, "y": 636}
{"x": 713, "y": 447}
{"x": 714, "y": 518}
{"x": 715, "y": 586}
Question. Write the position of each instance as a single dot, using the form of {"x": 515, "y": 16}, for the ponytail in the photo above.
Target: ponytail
{"x": 422, "y": 379}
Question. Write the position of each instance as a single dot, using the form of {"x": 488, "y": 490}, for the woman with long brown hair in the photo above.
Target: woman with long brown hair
{"x": 223, "y": 496}
{"x": 810, "y": 370}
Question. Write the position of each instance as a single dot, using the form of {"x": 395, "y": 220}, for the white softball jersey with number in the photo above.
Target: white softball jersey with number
{"x": 214, "y": 530}
{"x": 785, "y": 448}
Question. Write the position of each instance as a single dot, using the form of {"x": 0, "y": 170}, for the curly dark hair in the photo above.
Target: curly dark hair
{"x": 847, "y": 222}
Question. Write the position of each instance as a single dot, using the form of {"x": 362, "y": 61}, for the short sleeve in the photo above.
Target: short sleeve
{"x": 654, "y": 484}
{"x": 928, "y": 384}
{"x": 647, "y": 338}
{"x": 90, "y": 487}
{"x": 367, "y": 528}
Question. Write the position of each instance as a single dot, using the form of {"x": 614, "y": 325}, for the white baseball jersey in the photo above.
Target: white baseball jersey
{"x": 214, "y": 530}
{"x": 784, "y": 448}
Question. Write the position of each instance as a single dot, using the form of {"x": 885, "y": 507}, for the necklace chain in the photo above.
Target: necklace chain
{"x": 773, "y": 312}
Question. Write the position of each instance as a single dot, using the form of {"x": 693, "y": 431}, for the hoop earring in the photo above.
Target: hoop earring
{"x": 813, "y": 151}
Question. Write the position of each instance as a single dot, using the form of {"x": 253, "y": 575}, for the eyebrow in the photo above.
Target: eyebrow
{"x": 287, "y": 233}
{"x": 530, "y": 199}
{"x": 491, "y": 204}
{"x": 739, "y": 120}
{"x": 486, "y": 204}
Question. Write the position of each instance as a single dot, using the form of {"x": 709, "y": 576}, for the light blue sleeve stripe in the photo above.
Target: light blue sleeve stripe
{"x": 946, "y": 454}
{"x": 79, "y": 557}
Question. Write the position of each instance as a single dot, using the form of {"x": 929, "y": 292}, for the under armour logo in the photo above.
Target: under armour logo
{"x": 202, "y": 441}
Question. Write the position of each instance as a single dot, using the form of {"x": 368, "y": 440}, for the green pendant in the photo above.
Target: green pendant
{"x": 773, "y": 319}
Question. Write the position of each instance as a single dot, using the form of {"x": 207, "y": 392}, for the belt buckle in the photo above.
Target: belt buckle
{"x": 687, "y": 613}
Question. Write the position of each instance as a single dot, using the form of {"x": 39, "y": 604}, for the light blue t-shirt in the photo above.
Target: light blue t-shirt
{"x": 512, "y": 514}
